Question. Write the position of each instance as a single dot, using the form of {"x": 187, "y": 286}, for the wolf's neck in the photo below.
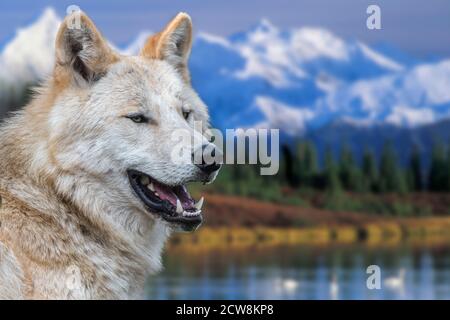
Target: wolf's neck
{"x": 107, "y": 210}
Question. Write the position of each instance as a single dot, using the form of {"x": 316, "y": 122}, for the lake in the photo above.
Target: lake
{"x": 304, "y": 272}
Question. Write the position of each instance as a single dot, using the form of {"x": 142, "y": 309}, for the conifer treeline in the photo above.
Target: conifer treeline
{"x": 300, "y": 168}
{"x": 14, "y": 96}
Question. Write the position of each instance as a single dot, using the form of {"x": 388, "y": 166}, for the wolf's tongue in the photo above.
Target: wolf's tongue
{"x": 172, "y": 194}
{"x": 166, "y": 193}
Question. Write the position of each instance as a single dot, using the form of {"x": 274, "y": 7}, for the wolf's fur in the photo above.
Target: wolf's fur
{"x": 70, "y": 226}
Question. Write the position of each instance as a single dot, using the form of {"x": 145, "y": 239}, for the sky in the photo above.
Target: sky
{"x": 421, "y": 28}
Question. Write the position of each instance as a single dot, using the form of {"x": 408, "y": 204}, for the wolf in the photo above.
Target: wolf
{"x": 89, "y": 193}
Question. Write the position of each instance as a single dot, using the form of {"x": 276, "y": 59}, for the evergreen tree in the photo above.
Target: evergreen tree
{"x": 302, "y": 165}
{"x": 345, "y": 166}
{"x": 307, "y": 163}
{"x": 332, "y": 181}
{"x": 349, "y": 173}
{"x": 415, "y": 171}
{"x": 392, "y": 178}
{"x": 448, "y": 171}
{"x": 310, "y": 158}
{"x": 437, "y": 180}
{"x": 370, "y": 171}
{"x": 287, "y": 167}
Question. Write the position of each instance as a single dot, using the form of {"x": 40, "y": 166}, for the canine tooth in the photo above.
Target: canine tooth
{"x": 199, "y": 204}
{"x": 151, "y": 186}
{"x": 145, "y": 180}
{"x": 179, "y": 207}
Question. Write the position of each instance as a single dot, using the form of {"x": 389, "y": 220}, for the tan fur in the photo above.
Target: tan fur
{"x": 160, "y": 45}
{"x": 56, "y": 213}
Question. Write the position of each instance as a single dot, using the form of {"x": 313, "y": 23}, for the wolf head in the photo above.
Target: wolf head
{"x": 114, "y": 117}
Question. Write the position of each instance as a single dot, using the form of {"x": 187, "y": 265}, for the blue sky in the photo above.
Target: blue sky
{"x": 419, "y": 27}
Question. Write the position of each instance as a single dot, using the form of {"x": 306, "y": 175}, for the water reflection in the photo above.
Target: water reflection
{"x": 303, "y": 273}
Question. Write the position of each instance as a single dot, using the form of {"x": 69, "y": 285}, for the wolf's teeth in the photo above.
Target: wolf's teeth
{"x": 151, "y": 186}
{"x": 145, "y": 180}
{"x": 156, "y": 194}
{"x": 199, "y": 204}
{"x": 191, "y": 214}
{"x": 179, "y": 207}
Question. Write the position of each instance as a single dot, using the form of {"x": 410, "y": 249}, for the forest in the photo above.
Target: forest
{"x": 341, "y": 182}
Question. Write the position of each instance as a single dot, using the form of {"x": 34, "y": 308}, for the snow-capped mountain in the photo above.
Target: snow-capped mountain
{"x": 296, "y": 80}
{"x": 30, "y": 55}
{"x": 411, "y": 98}
{"x": 310, "y": 78}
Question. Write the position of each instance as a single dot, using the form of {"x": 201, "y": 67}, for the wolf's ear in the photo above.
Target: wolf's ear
{"x": 81, "y": 50}
{"x": 172, "y": 44}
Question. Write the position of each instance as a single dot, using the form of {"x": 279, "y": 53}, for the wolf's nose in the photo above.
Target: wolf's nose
{"x": 207, "y": 158}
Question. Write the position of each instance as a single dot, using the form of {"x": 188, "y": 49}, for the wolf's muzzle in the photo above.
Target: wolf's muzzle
{"x": 208, "y": 158}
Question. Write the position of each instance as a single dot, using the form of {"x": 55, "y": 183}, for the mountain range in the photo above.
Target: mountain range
{"x": 304, "y": 81}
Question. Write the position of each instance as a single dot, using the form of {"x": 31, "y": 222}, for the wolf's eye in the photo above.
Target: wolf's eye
{"x": 138, "y": 118}
{"x": 186, "y": 114}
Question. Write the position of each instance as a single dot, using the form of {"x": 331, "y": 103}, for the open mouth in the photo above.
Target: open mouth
{"x": 173, "y": 203}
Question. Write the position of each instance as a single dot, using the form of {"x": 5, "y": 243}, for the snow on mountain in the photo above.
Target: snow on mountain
{"x": 379, "y": 59}
{"x": 284, "y": 57}
{"x": 267, "y": 55}
{"x": 279, "y": 115}
{"x": 415, "y": 97}
{"x": 404, "y": 116}
{"x": 30, "y": 55}
{"x": 135, "y": 46}
{"x": 296, "y": 80}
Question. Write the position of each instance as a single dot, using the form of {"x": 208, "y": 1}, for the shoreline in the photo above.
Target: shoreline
{"x": 420, "y": 231}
